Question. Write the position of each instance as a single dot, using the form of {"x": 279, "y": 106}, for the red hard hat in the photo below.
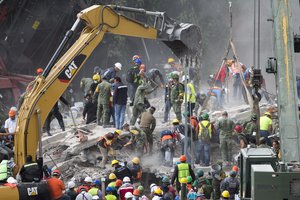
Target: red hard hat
{"x": 118, "y": 182}
{"x": 238, "y": 128}
{"x": 235, "y": 168}
{"x": 39, "y": 70}
{"x": 56, "y": 172}
{"x": 182, "y": 158}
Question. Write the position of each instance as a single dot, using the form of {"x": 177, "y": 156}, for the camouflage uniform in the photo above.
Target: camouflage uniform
{"x": 138, "y": 142}
{"x": 177, "y": 92}
{"x": 226, "y": 126}
{"x": 250, "y": 127}
{"x": 103, "y": 91}
{"x": 85, "y": 84}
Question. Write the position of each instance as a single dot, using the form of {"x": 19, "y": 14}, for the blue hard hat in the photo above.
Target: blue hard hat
{"x": 97, "y": 182}
{"x": 109, "y": 189}
{"x": 137, "y": 61}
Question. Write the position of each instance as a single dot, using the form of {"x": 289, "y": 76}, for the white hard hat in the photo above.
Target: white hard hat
{"x": 118, "y": 65}
{"x": 95, "y": 197}
{"x": 126, "y": 179}
{"x": 14, "y": 108}
{"x": 152, "y": 185}
{"x": 183, "y": 78}
{"x": 128, "y": 195}
{"x": 12, "y": 180}
{"x": 88, "y": 179}
{"x": 71, "y": 185}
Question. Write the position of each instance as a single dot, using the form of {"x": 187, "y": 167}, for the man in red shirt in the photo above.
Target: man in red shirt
{"x": 56, "y": 186}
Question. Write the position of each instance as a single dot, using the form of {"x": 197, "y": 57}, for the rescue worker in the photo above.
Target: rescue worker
{"x": 168, "y": 103}
{"x": 177, "y": 92}
{"x": 225, "y": 195}
{"x": 201, "y": 101}
{"x": 266, "y": 127}
{"x": 205, "y": 135}
{"x": 32, "y": 171}
{"x": 89, "y": 112}
{"x": 10, "y": 125}
{"x": 96, "y": 81}
{"x": 148, "y": 124}
{"x": 126, "y": 187}
{"x": 57, "y": 115}
{"x": 242, "y": 138}
{"x": 137, "y": 141}
{"x": 111, "y": 73}
{"x": 167, "y": 188}
{"x": 250, "y": 127}
{"x": 138, "y": 104}
{"x": 182, "y": 170}
{"x": 158, "y": 194}
{"x": 168, "y": 142}
{"x": 134, "y": 78}
{"x": 128, "y": 196}
{"x": 103, "y": 93}
{"x": 135, "y": 169}
{"x": 84, "y": 195}
{"x": 191, "y": 94}
{"x": 104, "y": 144}
{"x": 153, "y": 75}
{"x": 109, "y": 194}
{"x": 119, "y": 102}
{"x": 120, "y": 171}
{"x": 95, "y": 189}
{"x": 39, "y": 71}
{"x": 6, "y": 168}
{"x": 56, "y": 186}
{"x": 112, "y": 178}
{"x": 86, "y": 185}
{"x": 226, "y": 126}
{"x": 231, "y": 184}
{"x": 221, "y": 76}
{"x": 136, "y": 194}
{"x": 71, "y": 190}
{"x": 237, "y": 83}
{"x": 85, "y": 85}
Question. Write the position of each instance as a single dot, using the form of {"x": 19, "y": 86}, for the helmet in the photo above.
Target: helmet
{"x": 183, "y": 180}
{"x": 11, "y": 180}
{"x": 11, "y": 113}
{"x": 95, "y": 197}
{"x": 184, "y": 77}
{"x": 152, "y": 185}
{"x": 126, "y": 179}
{"x": 128, "y": 195}
{"x": 200, "y": 173}
{"x": 135, "y": 57}
{"x": 71, "y": 185}
{"x": 109, "y": 189}
{"x": 225, "y": 194}
{"x": 118, "y": 131}
{"x": 238, "y": 128}
{"x": 171, "y": 60}
{"x": 56, "y": 173}
{"x": 205, "y": 116}
{"x": 134, "y": 132}
{"x": 175, "y": 121}
{"x": 225, "y": 113}
{"x": 189, "y": 179}
{"x": 136, "y": 160}
{"x": 118, "y": 183}
{"x": 137, "y": 61}
{"x": 39, "y": 70}
{"x": 268, "y": 114}
{"x": 96, "y": 77}
{"x": 112, "y": 176}
{"x": 97, "y": 182}
{"x": 232, "y": 173}
{"x": 165, "y": 179}
{"x": 88, "y": 179}
{"x": 158, "y": 191}
{"x": 235, "y": 168}
{"x": 114, "y": 162}
{"x": 141, "y": 188}
{"x": 136, "y": 192}
{"x": 175, "y": 76}
{"x": 182, "y": 158}
{"x": 118, "y": 65}
{"x": 254, "y": 117}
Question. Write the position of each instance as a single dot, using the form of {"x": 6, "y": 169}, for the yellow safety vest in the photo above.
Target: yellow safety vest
{"x": 191, "y": 97}
{"x": 264, "y": 123}
{"x": 183, "y": 170}
{"x": 3, "y": 170}
{"x": 204, "y": 123}
{"x": 93, "y": 191}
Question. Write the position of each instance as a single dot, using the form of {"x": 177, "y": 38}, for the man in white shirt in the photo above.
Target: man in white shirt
{"x": 10, "y": 127}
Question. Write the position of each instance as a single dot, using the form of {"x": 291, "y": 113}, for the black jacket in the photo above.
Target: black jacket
{"x": 122, "y": 171}
{"x": 31, "y": 172}
{"x": 90, "y": 109}
{"x": 120, "y": 94}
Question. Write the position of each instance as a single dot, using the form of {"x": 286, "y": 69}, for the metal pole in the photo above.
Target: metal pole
{"x": 254, "y": 34}
{"x": 258, "y": 35}
{"x": 185, "y": 106}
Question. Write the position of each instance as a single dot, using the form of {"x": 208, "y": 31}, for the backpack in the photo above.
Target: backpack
{"x": 131, "y": 74}
{"x": 204, "y": 136}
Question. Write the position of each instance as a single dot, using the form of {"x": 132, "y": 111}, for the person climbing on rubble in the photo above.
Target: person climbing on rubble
{"x": 120, "y": 170}
{"x": 96, "y": 81}
{"x": 103, "y": 94}
{"x": 220, "y": 76}
{"x": 119, "y": 102}
{"x": 126, "y": 187}
{"x": 201, "y": 102}
{"x": 136, "y": 169}
{"x": 89, "y": 113}
{"x": 182, "y": 170}
{"x": 233, "y": 67}
{"x": 167, "y": 143}
{"x": 104, "y": 143}
{"x": 168, "y": 103}
{"x": 177, "y": 92}
{"x": 225, "y": 126}
{"x": 191, "y": 94}
{"x": 134, "y": 78}
{"x": 148, "y": 124}
{"x": 266, "y": 127}
{"x": 216, "y": 98}
{"x": 111, "y": 73}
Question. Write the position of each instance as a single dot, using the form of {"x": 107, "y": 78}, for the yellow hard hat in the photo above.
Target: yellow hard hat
{"x": 112, "y": 176}
{"x": 175, "y": 121}
{"x": 183, "y": 180}
{"x": 171, "y": 60}
{"x": 114, "y": 162}
{"x": 136, "y": 160}
{"x": 118, "y": 131}
{"x": 225, "y": 194}
{"x": 267, "y": 113}
{"x": 134, "y": 132}
{"x": 158, "y": 191}
{"x": 96, "y": 77}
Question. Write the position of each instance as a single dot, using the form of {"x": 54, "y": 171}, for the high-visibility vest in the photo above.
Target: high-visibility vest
{"x": 191, "y": 98}
{"x": 3, "y": 170}
{"x": 183, "y": 170}
{"x": 93, "y": 191}
{"x": 204, "y": 123}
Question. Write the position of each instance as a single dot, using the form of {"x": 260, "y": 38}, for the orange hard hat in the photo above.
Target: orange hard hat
{"x": 118, "y": 182}
{"x": 39, "y": 70}
{"x": 235, "y": 168}
{"x": 11, "y": 113}
{"x": 182, "y": 158}
{"x": 136, "y": 192}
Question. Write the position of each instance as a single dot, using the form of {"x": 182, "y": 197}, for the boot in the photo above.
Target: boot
{"x": 62, "y": 125}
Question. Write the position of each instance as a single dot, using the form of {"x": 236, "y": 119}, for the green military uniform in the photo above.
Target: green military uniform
{"x": 138, "y": 142}
{"x": 226, "y": 126}
{"x": 138, "y": 104}
{"x": 177, "y": 92}
{"x": 85, "y": 84}
{"x": 148, "y": 124}
{"x": 103, "y": 91}
{"x": 250, "y": 127}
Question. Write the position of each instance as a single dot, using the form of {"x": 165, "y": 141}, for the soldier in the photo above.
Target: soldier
{"x": 103, "y": 91}
{"x": 251, "y": 126}
{"x": 168, "y": 103}
{"x": 85, "y": 85}
{"x": 147, "y": 124}
{"x": 226, "y": 126}
{"x": 138, "y": 139}
{"x": 191, "y": 94}
{"x": 177, "y": 92}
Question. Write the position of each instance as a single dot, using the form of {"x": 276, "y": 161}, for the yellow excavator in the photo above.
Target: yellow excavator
{"x": 183, "y": 39}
